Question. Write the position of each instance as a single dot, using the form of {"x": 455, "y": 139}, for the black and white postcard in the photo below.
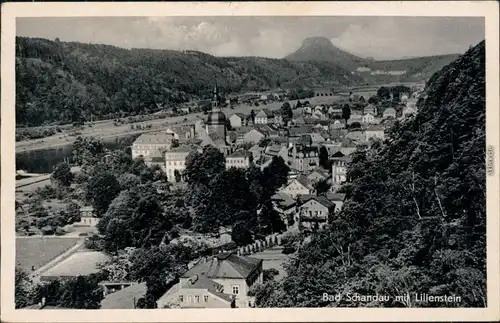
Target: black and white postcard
{"x": 250, "y": 161}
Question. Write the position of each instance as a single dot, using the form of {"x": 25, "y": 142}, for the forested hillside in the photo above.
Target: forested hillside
{"x": 415, "y": 217}
{"x": 60, "y": 82}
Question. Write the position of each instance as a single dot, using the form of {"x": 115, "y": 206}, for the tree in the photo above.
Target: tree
{"x": 62, "y": 174}
{"x": 346, "y": 112}
{"x": 175, "y": 143}
{"x": 101, "y": 190}
{"x": 177, "y": 175}
{"x": 323, "y": 157}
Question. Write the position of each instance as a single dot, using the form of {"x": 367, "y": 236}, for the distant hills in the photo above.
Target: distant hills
{"x": 372, "y": 71}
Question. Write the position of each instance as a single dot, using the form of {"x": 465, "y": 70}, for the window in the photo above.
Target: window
{"x": 236, "y": 289}
{"x": 197, "y": 298}
{"x": 181, "y": 298}
{"x": 205, "y": 298}
{"x": 175, "y": 163}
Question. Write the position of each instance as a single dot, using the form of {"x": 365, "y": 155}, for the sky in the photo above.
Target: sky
{"x": 275, "y": 37}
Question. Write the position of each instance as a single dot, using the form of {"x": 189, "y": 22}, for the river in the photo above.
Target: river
{"x": 43, "y": 161}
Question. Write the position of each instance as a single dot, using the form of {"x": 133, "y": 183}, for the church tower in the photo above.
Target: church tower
{"x": 216, "y": 120}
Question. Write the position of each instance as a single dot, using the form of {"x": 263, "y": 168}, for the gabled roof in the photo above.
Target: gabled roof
{"x": 225, "y": 265}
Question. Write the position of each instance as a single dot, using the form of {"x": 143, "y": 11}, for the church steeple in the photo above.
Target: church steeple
{"x": 215, "y": 100}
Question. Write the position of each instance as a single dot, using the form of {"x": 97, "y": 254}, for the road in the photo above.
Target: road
{"x": 106, "y": 130}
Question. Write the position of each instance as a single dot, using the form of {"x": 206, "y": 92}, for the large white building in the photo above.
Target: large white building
{"x": 147, "y": 144}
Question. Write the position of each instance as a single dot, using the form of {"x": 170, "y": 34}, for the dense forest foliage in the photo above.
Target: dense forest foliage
{"x": 66, "y": 82}
{"x": 415, "y": 217}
